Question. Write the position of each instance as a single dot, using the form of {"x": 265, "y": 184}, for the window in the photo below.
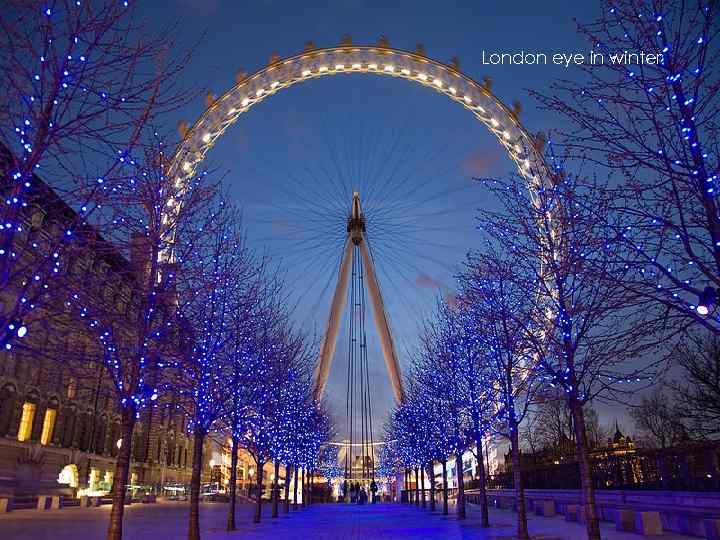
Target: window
{"x": 107, "y": 293}
{"x": 94, "y": 479}
{"x": 69, "y": 420}
{"x": 120, "y": 304}
{"x": 37, "y": 217}
{"x": 72, "y": 389}
{"x": 170, "y": 453}
{"x": 78, "y": 267}
{"x": 48, "y": 426}
{"x": 82, "y": 434}
{"x": 100, "y": 435}
{"x": 26, "y": 421}
{"x": 8, "y": 403}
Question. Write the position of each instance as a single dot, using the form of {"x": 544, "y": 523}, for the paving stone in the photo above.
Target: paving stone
{"x": 168, "y": 520}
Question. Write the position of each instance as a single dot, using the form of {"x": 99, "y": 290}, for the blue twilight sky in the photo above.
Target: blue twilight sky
{"x": 292, "y": 162}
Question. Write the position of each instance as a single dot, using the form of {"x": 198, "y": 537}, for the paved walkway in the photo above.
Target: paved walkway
{"x": 168, "y": 521}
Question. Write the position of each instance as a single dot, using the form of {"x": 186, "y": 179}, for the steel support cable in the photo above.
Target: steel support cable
{"x": 368, "y": 403}
{"x": 364, "y": 390}
{"x": 348, "y": 397}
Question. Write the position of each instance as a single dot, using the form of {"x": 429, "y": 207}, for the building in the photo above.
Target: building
{"x": 618, "y": 446}
{"x": 246, "y": 480}
{"x": 59, "y": 424}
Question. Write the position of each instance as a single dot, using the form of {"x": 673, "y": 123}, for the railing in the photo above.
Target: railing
{"x": 692, "y": 468}
{"x": 411, "y": 496}
{"x": 684, "y": 512}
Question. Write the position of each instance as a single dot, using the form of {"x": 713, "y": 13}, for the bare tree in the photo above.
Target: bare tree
{"x": 658, "y": 421}
{"x": 496, "y": 297}
{"x": 437, "y": 370}
{"x": 698, "y": 389}
{"x": 597, "y": 434}
{"x": 212, "y": 285}
{"x": 315, "y": 429}
{"x": 329, "y": 463}
{"x": 256, "y": 366}
{"x": 272, "y": 413}
{"x": 549, "y": 425}
{"x": 462, "y": 341}
{"x": 295, "y": 424}
{"x": 136, "y": 327}
{"x": 262, "y": 302}
{"x": 591, "y": 336}
{"x": 78, "y": 91}
{"x": 653, "y": 127}
{"x": 419, "y": 432}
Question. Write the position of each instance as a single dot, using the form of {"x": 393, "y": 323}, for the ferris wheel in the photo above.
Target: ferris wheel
{"x": 360, "y": 214}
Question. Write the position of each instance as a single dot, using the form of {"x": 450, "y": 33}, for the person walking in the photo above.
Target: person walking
{"x": 373, "y": 490}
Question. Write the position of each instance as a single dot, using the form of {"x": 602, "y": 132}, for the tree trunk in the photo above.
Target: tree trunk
{"x": 276, "y": 489}
{"x": 286, "y": 502}
{"x": 194, "y": 525}
{"x": 310, "y": 487}
{"x": 233, "y": 484}
{"x": 592, "y": 523}
{"x": 122, "y": 471}
{"x": 303, "y": 486}
{"x": 431, "y": 476}
{"x": 417, "y": 486}
{"x": 407, "y": 485}
{"x": 485, "y": 518}
{"x": 460, "y": 486}
{"x": 295, "y": 487}
{"x": 259, "y": 489}
{"x": 522, "y": 528}
{"x": 445, "y": 497}
{"x": 422, "y": 487}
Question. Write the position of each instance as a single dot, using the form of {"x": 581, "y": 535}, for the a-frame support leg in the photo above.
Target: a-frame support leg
{"x": 327, "y": 347}
{"x": 381, "y": 322}
{"x": 356, "y": 236}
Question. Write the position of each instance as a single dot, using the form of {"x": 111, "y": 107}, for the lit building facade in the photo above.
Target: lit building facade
{"x": 59, "y": 424}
